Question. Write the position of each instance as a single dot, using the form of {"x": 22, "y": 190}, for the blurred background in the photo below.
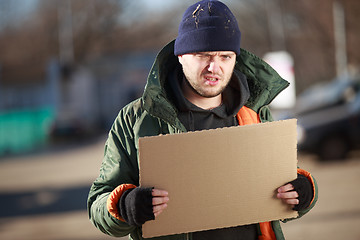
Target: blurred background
{"x": 68, "y": 66}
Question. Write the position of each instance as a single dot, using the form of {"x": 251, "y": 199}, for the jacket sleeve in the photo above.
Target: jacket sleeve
{"x": 315, "y": 196}
{"x": 315, "y": 190}
{"x": 119, "y": 167}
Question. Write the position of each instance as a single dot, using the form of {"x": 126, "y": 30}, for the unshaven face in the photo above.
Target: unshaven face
{"x": 208, "y": 73}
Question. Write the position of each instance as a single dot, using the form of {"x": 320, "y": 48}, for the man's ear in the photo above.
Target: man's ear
{"x": 180, "y": 59}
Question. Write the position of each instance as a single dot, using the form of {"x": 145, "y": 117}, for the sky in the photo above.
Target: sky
{"x": 15, "y": 10}
{"x": 158, "y": 4}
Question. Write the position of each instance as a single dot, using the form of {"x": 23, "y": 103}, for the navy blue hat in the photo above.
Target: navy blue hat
{"x": 208, "y": 26}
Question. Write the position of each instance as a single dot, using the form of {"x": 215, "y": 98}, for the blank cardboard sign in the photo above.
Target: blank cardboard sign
{"x": 219, "y": 178}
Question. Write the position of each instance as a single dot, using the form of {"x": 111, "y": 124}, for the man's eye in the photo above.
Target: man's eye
{"x": 202, "y": 55}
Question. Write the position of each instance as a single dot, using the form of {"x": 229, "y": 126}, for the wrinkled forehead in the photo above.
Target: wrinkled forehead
{"x": 214, "y": 53}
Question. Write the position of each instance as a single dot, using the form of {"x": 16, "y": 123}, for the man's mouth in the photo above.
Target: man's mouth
{"x": 212, "y": 80}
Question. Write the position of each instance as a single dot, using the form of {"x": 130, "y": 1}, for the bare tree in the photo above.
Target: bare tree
{"x": 101, "y": 27}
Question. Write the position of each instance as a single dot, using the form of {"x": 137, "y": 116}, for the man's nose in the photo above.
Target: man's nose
{"x": 213, "y": 66}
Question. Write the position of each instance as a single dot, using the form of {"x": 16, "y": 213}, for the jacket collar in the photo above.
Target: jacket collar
{"x": 264, "y": 83}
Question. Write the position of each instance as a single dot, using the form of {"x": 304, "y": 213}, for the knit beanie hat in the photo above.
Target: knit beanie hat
{"x": 208, "y": 25}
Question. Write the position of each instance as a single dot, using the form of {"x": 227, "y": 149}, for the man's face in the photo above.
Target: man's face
{"x": 208, "y": 73}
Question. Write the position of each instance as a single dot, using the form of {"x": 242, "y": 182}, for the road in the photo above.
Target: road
{"x": 43, "y": 196}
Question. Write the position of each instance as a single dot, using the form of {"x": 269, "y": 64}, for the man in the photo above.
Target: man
{"x": 202, "y": 80}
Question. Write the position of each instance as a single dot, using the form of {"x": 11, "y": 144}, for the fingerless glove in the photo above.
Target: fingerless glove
{"x": 303, "y": 187}
{"x": 136, "y": 206}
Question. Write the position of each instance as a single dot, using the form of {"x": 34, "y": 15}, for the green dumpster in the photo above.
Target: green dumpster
{"x": 24, "y": 130}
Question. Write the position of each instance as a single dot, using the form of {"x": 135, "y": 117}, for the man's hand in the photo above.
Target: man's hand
{"x": 139, "y": 205}
{"x": 159, "y": 201}
{"x": 288, "y": 195}
{"x": 297, "y": 193}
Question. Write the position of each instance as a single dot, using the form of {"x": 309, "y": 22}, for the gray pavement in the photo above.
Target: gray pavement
{"x": 43, "y": 196}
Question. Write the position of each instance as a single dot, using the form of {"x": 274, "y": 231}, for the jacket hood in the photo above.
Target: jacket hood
{"x": 264, "y": 83}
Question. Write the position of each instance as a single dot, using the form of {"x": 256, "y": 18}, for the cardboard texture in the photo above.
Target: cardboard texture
{"x": 219, "y": 178}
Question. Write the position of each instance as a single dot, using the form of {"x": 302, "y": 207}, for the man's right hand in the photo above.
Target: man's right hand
{"x": 139, "y": 205}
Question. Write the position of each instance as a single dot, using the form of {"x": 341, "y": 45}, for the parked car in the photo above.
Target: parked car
{"x": 329, "y": 118}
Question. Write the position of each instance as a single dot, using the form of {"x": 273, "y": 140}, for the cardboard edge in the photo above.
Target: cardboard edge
{"x": 221, "y": 129}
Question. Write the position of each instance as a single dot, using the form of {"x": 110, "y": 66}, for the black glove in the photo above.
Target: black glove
{"x": 304, "y": 188}
{"x": 136, "y": 206}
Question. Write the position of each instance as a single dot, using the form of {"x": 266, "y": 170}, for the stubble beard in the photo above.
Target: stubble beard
{"x": 196, "y": 88}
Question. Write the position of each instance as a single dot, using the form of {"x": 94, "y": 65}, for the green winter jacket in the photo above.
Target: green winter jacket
{"x": 153, "y": 114}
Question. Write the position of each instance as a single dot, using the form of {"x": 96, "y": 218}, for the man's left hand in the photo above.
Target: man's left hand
{"x": 297, "y": 193}
{"x": 288, "y": 195}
